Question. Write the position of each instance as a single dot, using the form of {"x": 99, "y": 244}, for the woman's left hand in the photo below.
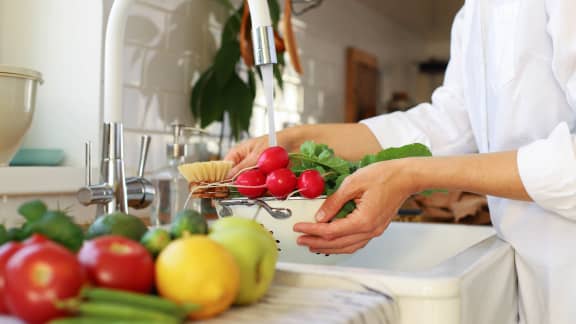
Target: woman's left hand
{"x": 378, "y": 191}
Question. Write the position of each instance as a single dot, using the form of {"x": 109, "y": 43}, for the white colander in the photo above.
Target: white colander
{"x": 289, "y": 212}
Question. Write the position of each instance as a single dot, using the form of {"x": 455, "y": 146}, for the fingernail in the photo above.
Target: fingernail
{"x": 300, "y": 241}
{"x": 320, "y": 216}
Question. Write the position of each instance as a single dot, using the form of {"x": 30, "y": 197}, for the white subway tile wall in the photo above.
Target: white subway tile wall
{"x": 170, "y": 42}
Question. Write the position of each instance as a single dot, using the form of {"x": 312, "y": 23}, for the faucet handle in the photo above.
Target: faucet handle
{"x": 88, "y": 163}
{"x": 144, "y": 148}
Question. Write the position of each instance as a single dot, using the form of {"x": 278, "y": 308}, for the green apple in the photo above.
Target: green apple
{"x": 256, "y": 256}
{"x": 240, "y": 222}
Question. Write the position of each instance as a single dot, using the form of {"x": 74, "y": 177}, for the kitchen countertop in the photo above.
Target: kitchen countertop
{"x": 297, "y": 297}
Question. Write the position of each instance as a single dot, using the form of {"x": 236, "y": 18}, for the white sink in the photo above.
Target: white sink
{"x": 437, "y": 273}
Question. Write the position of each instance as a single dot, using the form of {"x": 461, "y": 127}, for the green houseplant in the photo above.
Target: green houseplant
{"x": 224, "y": 88}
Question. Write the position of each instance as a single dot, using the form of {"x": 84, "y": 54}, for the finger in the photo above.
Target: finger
{"x": 247, "y": 162}
{"x": 330, "y": 231}
{"x": 347, "y": 191}
{"x": 315, "y": 242}
{"x": 346, "y": 250}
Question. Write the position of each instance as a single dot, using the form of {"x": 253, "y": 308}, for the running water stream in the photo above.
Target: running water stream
{"x": 268, "y": 81}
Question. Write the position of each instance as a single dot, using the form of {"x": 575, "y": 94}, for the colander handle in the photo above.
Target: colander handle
{"x": 278, "y": 213}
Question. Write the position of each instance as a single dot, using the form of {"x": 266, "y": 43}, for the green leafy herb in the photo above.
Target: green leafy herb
{"x": 335, "y": 170}
{"x": 3, "y": 234}
{"x": 32, "y": 210}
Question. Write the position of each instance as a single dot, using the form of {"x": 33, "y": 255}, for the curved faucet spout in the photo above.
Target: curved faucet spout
{"x": 113, "y": 49}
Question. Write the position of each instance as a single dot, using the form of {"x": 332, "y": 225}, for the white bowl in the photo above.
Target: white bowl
{"x": 302, "y": 210}
{"x": 17, "y": 100}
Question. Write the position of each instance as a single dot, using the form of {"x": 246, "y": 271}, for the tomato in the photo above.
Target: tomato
{"x": 311, "y": 184}
{"x": 6, "y": 252}
{"x": 39, "y": 275}
{"x": 273, "y": 158}
{"x": 116, "y": 262}
{"x": 251, "y": 178}
{"x": 281, "y": 182}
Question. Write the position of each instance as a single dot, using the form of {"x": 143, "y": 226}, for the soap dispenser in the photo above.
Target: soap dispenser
{"x": 171, "y": 186}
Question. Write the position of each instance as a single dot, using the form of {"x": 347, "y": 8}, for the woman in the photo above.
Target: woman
{"x": 509, "y": 94}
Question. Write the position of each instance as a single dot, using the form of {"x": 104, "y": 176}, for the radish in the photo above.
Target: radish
{"x": 311, "y": 184}
{"x": 251, "y": 178}
{"x": 281, "y": 182}
{"x": 273, "y": 158}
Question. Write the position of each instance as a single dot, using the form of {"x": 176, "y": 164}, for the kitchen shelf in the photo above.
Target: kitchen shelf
{"x": 40, "y": 180}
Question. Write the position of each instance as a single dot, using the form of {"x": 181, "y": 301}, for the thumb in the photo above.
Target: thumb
{"x": 334, "y": 203}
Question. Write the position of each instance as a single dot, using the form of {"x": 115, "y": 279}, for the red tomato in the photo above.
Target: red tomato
{"x": 6, "y": 252}
{"x": 116, "y": 262}
{"x": 37, "y": 276}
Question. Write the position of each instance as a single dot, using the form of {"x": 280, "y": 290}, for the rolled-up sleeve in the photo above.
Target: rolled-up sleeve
{"x": 547, "y": 167}
{"x": 443, "y": 124}
{"x": 548, "y": 171}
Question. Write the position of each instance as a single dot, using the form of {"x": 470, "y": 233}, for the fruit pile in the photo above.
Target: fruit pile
{"x": 119, "y": 270}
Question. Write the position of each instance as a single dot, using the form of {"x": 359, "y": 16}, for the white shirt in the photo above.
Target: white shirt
{"x": 511, "y": 84}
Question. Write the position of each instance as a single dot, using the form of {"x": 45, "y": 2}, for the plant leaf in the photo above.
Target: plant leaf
{"x": 278, "y": 68}
{"x": 225, "y": 62}
{"x": 274, "y": 11}
{"x": 308, "y": 148}
{"x": 238, "y": 102}
{"x": 232, "y": 27}
{"x": 211, "y": 105}
{"x": 197, "y": 92}
{"x": 252, "y": 84}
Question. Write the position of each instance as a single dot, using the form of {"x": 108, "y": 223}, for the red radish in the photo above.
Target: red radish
{"x": 281, "y": 182}
{"x": 311, "y": 184}
{"x": 251, "y": 178}
{"x": 273, "y": 158}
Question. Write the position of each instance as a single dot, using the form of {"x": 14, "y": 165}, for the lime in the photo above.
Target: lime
{"x": 155, "y": 240}
{"x": 190, "y": 222}
{"x": 118, "y": 223}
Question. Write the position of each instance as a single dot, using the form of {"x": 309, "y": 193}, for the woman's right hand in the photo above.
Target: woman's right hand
{"x": 246, "y": 154}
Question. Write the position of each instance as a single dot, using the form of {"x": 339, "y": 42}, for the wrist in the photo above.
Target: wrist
{"x": 416, "y": 173}
{"x": 291, "y": 138}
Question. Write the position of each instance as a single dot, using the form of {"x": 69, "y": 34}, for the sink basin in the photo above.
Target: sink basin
{"x": 437, "y": 273}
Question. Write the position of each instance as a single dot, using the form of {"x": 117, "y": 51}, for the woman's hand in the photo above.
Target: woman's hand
{"x": 246, "y": 154}
{"x": 378, "y": 191}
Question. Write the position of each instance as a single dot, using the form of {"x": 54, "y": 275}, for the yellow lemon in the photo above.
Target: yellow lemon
{"x": 196, "y": 269}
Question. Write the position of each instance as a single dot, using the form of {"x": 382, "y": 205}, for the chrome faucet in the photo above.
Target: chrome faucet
{"x": 116, "y": 192}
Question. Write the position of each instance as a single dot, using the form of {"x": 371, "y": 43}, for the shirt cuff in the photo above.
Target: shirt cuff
{"x": 394, "y": 130}
{"x": 548, "y": 171}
